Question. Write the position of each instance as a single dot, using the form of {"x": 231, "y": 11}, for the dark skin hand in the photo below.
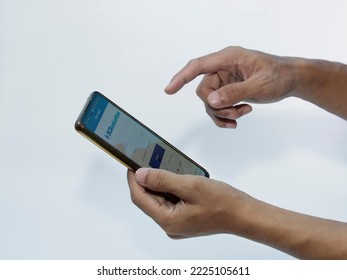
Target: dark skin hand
{"x": 208, "y": 206}
{"x": 235, "y": 75}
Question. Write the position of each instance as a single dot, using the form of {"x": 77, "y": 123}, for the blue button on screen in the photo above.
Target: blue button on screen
{"x": 157, "y": 156}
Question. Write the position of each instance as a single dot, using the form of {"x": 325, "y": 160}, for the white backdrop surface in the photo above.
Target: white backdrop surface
{"x": 63, "y": 198}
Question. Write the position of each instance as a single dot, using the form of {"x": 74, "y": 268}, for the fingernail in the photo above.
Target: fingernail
{"x": 214, "y": 99}
{"x": 140, "y": 175}
{"x": 167, "y": 88}
{"x": 230, "y": 125}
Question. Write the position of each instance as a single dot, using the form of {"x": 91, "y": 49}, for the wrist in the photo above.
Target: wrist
{"x": 261, "y": 222}
{"x": 292, "y": 68}
{"x": 242, "y": 215}
{"x": 322, "y": 83}
{"x": 264, "y": 223}
{"x": 315, "y": 78}
{"x": 308, "y": 76}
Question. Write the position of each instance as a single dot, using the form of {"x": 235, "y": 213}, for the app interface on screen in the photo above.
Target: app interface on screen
{"x": 133, "y": 140}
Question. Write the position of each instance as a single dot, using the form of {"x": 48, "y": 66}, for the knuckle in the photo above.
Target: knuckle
{"x": 134, "y": 198}
{"x": 194, "y": 183}
{"x": 172, "y": 236}
{"x": 158, "y": 179}
{"x": 171, "y": 228}
{"x": 168, "y": 225}
{"x": 193, "y": 62}
{"x": 199, "y": 90}
{"x": 171, "y": 233}
{"x": 204, "y": 89}
{"x": 231, "y": 95}
{"x": 232, "y": 114}
{"x": 218, "y": 122}
{"x": 197, "y": 64}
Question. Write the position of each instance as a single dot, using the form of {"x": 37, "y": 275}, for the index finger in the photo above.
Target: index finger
{"x": 210, "y": 63}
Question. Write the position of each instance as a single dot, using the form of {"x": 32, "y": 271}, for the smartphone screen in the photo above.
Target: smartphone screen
{"x": 131, "y": 142}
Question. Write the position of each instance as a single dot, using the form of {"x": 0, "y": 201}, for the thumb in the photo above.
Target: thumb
{"x": 163, "y": 181}
{"x": 231, "y": 94}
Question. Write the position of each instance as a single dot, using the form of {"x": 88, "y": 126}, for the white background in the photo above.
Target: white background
{"x": 63, "y": 198}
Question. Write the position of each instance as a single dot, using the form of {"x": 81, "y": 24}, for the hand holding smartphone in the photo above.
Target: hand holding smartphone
{"x": 128, "y": 140}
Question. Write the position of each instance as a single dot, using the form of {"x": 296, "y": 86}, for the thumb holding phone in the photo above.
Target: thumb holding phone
{"x": 206, "y": 206}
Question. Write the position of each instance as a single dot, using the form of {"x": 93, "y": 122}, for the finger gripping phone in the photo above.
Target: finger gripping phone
{"x": 128, "y": 140}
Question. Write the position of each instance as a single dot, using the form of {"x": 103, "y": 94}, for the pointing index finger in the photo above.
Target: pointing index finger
{"x": 210, "y": 63}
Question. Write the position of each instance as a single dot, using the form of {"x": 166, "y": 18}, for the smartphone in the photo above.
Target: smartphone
{"x": 128, "y": 140}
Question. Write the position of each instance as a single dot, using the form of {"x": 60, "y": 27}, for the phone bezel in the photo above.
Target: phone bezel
{"x": 111, "y": 150}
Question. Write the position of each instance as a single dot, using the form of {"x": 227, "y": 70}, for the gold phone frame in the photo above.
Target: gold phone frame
{"x": 111, "y": 150}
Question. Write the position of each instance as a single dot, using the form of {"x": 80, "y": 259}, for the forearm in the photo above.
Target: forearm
{"x": 323, "y": 83}
{"x": 303, "y": 236}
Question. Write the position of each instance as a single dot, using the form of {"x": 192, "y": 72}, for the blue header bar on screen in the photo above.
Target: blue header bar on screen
{"x": 95, "y": 111}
